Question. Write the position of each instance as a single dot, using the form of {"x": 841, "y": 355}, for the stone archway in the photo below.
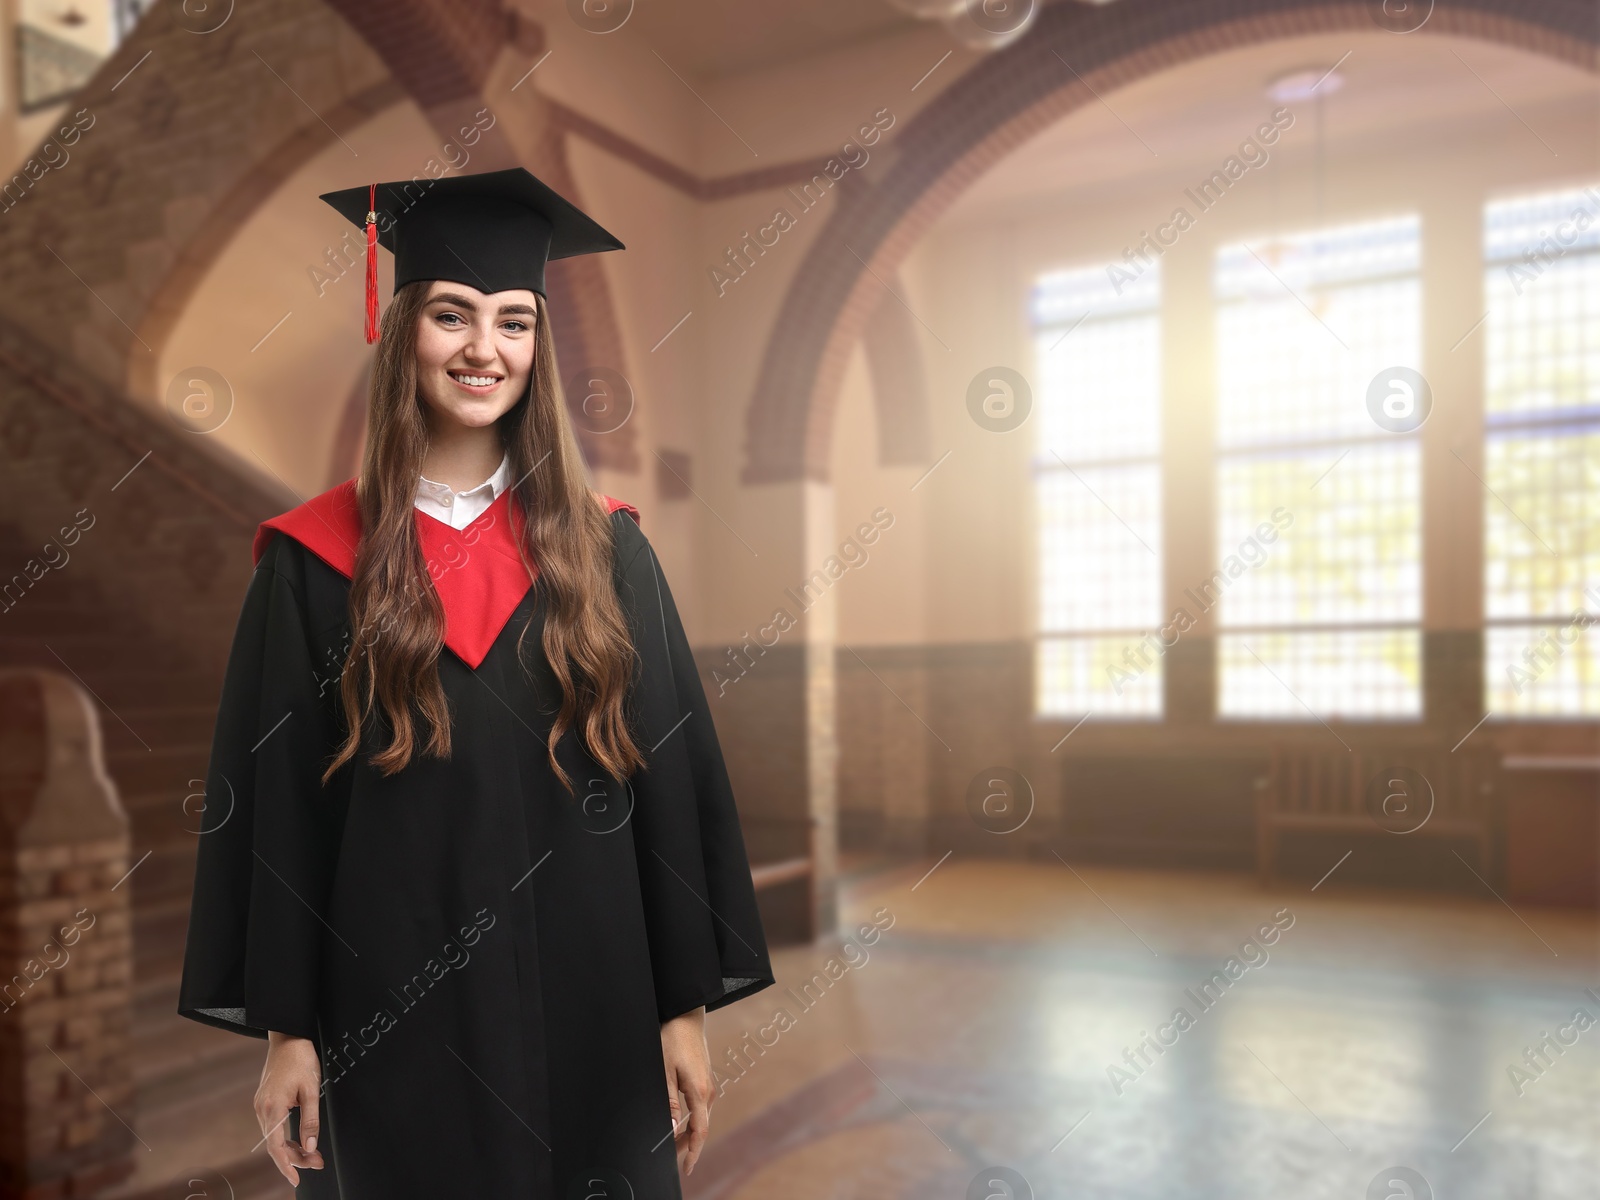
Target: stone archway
{"x": 186, "y": 130}
{"x": 998, "y": 106}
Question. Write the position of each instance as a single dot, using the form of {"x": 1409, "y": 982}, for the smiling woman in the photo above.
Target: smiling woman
{"x": 517, "y": 755}
{"x": 474, "y": 361}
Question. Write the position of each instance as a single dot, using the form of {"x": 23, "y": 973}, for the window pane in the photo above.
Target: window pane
{"x": 1543, "y": 670}
{"x": 1543, "y": 339}
{"x": 1112, "y": 676}
{"x": 1099, "y": 548}
{"x": 1097, "y": 486}
{"x": 1542, "y": 536}
{"x": 1348, "y": 549}
{"x": 1100, "y": 391}
{"x": 1287, "y": 373}
{"x": 1318, "y": 509}
{"x": 1541, "y": 557}
{"x": 1346, "y": 673}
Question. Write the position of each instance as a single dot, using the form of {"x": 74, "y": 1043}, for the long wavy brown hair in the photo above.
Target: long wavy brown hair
{"x": 392, "y": 665}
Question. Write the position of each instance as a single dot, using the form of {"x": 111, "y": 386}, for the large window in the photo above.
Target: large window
{"x": 1098, "y": 492}
{"x": 1325, "y": 620}
{"x": 1542, "y": 454}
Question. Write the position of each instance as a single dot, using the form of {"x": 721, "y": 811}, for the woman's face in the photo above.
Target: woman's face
{"x": 474, "y": 351}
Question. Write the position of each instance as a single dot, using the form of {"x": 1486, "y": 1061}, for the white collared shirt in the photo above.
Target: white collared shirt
{"x": 460, "y": 509}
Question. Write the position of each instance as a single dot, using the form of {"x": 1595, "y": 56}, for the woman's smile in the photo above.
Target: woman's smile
{"x": 476, "y": 383}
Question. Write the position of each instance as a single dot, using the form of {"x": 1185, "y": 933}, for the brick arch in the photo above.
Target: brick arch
{"x": 430, "y": 58}
{"x": 209, "y": 235}
{"x": 996, "y": 107}
{"x": 116, "y": 240}
{"x": 173, "y": 125}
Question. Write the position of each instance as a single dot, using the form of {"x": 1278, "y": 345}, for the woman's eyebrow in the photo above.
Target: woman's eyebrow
{"x": 463, "y": 302}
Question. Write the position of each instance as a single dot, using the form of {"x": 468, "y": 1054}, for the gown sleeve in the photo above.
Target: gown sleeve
{"x": 267, "y": 837}
{"x": 707, "y": 946}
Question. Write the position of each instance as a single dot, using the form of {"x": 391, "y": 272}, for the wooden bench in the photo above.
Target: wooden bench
{"x": 1327, "y": 789}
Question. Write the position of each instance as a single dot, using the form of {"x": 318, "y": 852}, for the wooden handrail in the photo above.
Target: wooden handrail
{"x": 785, "y": 870}
{"x": 1551, "y": 762}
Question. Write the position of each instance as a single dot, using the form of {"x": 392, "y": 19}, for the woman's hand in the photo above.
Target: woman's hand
{"x": 683, "y": 1046}
{"x": 292, "y": 1076}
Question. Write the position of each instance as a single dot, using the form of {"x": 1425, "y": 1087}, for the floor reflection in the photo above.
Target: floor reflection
{"x": 1013, "y": 1030}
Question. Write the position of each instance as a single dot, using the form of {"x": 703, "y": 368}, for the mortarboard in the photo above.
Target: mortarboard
{"x": 494, "y": 230}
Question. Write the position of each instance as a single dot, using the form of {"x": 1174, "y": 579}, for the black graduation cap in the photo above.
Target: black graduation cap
{"x": 494, "y": 230}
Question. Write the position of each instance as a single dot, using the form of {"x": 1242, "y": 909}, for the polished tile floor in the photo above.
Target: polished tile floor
{"x": 1013, "y": 1029}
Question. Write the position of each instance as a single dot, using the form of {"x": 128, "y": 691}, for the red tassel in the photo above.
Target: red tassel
{"x": 372, "y": 264}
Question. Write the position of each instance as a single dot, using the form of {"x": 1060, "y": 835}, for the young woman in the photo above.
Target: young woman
{"x": 470, "y": 860}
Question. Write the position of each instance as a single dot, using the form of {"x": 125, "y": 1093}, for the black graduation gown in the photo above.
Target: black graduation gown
{"x": 483, "y": 960}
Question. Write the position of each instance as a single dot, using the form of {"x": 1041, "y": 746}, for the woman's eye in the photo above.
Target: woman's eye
{"x": 445, "y": 316}
{"x": 521, "y": 326}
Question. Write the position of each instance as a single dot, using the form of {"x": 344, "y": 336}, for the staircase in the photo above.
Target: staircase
{"x": 142, "y": 615}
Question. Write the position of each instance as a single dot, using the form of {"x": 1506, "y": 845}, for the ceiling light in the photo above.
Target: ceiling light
{"x": 990, "y": 24}
{"x": 1306, "y": 84}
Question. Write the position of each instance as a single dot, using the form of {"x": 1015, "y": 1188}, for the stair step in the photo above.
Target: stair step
{"x": 169, "y": 817}
{"x": 176, "y": 1064}
{"x": 74, "y": 647}
{"x": 164, "y": 874}
{"x": 154, "y": 673}
{"x": 204, "y": 1147}
{"x": 157, "y": 768}
{"x": 177, "y": 743}
{"x": 166, "y": 724}
{"x": 155, "y": 990}
{"x": 160, "y": 929}
{"x": 125, "y": 691}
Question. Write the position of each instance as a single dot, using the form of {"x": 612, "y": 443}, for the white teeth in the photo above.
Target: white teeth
{"x": 475, "y": 380}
